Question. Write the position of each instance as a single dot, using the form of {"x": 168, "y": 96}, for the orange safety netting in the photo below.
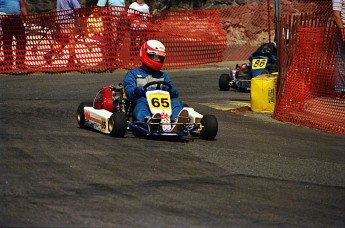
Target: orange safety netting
{"x": 247, "y": 27}
{"x": 250, "y": 25}
{"x": 313, "y": 91}
{"x": 93, "y": 38}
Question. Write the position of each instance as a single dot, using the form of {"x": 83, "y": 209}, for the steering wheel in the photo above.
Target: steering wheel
{"x": 158, "y": 83}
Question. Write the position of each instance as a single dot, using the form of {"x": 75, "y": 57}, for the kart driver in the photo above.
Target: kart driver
{"x": 152, "y": 55}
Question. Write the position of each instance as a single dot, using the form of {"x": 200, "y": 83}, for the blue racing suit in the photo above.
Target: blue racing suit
{"x": 138, "y": 77}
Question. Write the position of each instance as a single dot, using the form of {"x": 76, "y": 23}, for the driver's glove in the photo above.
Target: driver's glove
{"x": 139, "y": 91}
{"x": 173, "y": 93}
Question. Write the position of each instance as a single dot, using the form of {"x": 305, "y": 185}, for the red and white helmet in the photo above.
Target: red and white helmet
{"x": 152, "y": 54}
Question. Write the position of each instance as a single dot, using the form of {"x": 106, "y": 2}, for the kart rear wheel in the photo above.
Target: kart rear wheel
{"x": 224, "y": 81}
{"x": 80, "y": 113}
{"x": 209, "y": 127}
{"x": 117, "y": 124}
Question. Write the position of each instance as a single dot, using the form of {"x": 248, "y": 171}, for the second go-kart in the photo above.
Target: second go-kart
{"x": 112, "y": 113}
{"x": 262, "y": 61}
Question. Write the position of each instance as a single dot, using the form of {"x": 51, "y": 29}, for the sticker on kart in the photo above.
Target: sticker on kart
{"x": 159, "y": 102}
{"x": 259, "y": 63}
{"x": 95, "y": 123}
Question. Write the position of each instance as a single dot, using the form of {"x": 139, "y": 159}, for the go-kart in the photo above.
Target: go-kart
{"x": 111, "y": 113}
{"x": 262, "y": 61}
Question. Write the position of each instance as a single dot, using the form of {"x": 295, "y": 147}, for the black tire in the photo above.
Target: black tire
{"x": 117, "y": 124}
{"x": 209, "y": 127}
{"x": 224, "y": 81}
{"x": 80, "y": 113}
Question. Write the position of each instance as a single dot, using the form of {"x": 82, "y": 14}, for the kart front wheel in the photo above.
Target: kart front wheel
{"x": 80, "y": 113}
{"x": 209, "y": 127}
{"x": 117, "y": 124}
{"x": 224, "y": 82}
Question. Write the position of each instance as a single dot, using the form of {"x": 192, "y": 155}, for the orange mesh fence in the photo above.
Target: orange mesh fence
{"x": 92, "y": 39}
{"x": 318, "y": 7}
{"x": 248, "y": 26}
{"x": 312, "y": 85}
{"x": 108, "y": 38}
{"x": 193, "y": 37}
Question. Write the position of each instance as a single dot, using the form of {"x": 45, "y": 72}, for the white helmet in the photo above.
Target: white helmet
{"x": 152, "y": 54}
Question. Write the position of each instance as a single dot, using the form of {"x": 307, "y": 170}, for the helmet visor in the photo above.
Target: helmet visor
{"x": 157, "y": 58}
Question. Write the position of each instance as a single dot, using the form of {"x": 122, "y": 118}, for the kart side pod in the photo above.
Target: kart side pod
{"x": 101, "y": 120}
{"x": 208, "y": 124}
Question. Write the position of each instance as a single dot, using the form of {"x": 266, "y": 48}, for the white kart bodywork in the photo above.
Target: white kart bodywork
{"x": 114, "y": 116}
{"x": 98, "y": 119}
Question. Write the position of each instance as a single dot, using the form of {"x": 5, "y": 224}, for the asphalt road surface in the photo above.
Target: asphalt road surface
{"x": 258, "y": 172}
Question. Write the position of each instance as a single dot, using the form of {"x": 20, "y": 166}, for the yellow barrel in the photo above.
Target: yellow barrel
{"x": 263, "y": 93}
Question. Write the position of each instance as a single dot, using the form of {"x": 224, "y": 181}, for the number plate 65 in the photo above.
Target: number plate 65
{"x": 159, "y": 101}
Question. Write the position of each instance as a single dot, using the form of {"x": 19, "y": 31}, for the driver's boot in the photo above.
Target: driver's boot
{"x": 183, "y": 117}
{"x": 154, "y": 122}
